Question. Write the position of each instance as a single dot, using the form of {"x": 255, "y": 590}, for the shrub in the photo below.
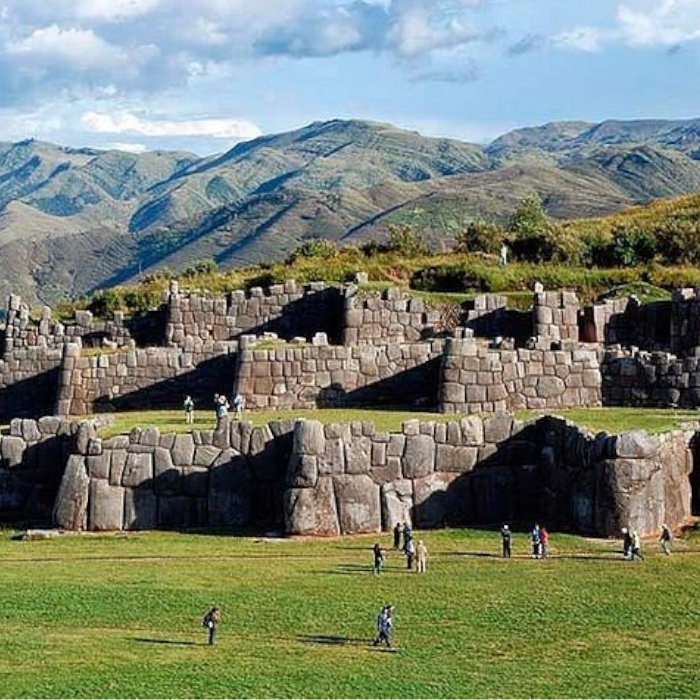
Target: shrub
{"x": 632, "y": 246}
{"x": 403, "y": 239}
{"x": 314, "y": 248}
{"x": 480, "y": 237}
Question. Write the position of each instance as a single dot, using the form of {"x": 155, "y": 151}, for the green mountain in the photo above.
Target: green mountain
{"x": 72, "y": 220}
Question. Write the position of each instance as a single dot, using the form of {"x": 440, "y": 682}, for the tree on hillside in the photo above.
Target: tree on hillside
{"x": 403, "y": 239}
{"x": 479, "y": 236}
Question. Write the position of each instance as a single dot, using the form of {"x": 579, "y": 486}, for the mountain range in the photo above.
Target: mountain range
{"x": 74, "y": 220}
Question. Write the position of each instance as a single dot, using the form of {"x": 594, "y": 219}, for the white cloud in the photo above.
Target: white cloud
{"x": 588, "y": 39}
{"x": 127, "y": 147}
{"x": 80, "y": 48}
{"x": 126, "y": 122}
{"x": 113, "y": 10}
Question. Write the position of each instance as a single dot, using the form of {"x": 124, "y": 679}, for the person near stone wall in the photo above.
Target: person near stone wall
{"x": 378, "y": 556}
{"x": 626, "y": 544}
{"x": 544, "y": 542}
{"x": 536, "y": 542}
{"x": 397, "y": 536}
{"x": 637, "y": 546}
{"x": 407, "y": 535}
{"x": 211, "y": 621}
{"x": 421, "y": 557}
{"x": 666, "y": 539}
{"x": 410, "y": 553}
{"x": 188, "y": 406}
{"x": 238, "y": 406}
{"x": 506, "y": 537}
{"x": 221, "y": 406}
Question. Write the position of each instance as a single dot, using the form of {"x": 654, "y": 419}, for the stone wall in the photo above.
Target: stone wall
{"x": 488, "y": 317}
{"x": 33, "y": 455}
{"x": 349, "y": 478}
{"x": 653, "y": 379}
{"x": 475, "y": 378}
{"x": 287, "y": 309}
{"x": 685, "y": 321}
{"x": 628, "y": 322}
{"x": 392, "y": 316}
{"x": 308, "y": 376}
{"x": 555, "y": 316}
{"x": 143, "y": 377}
{"x": 231, "y": 476}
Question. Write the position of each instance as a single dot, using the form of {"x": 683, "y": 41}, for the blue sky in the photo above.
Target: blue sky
{"x": 204, "y": 74}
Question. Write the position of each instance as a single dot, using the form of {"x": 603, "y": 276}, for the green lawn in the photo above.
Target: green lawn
{"x": 596, "y": 419}
{"x": 119, "y": 616}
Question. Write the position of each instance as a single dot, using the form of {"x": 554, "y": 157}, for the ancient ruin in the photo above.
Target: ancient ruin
{"x": 301, "y": 347}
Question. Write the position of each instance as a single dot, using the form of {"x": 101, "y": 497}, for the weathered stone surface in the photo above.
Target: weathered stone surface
{"x": 303, "y": 471}
{"x": 140, "y": 509}
{"x": 106, "y": 506}
{"x": 98, "y": 466}
{"x": 636, "y": 444}
{"x": 333, "y": 460}
{"x": 449, "y": 458}
{"x": 12, "y": 450}
{"x": 311, "y": 511}
{"x": 397, "y": 502}
{"x": 70, "y": 511}
{"x": 183, "y": 451}
{"x": 497, "y": 428}
{"x": 229, "y": 490}
{"x": 549, "y": 386}
{"x": 116, "y": 466}
{"x": 419, "y": 456}
{"x": 138, "y": 468}
{"x": 358, "y": 503}
{"x": 431, "y": 501}
{"x": 358, "y": 455}
{"x": 166, "y": 474}
{"x": 309, "y": 438}
{"x": 205, "y": 455}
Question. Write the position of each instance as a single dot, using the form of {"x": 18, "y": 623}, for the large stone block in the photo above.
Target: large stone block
{"x": 397, "y": 503}
{"x": 183, "y": 450}
{"x": 302, "y": 471}
{"x": 358, "y": 503}
{"x": 449, "y": 458}
{"x": 358, "y": 454}
{"x": 498, "y": 428}
{"x": 431, "y": 501}
{"x": 636, "y": 444}
{"x": 106, "y": 506}
{"x": 309, "y": 438}
{"x": 70, "y": 510}
{"x": 419, "y": 456}
{"x": 166, "y": 474}
{"x": 229, "y": 490}
{"x": 12, "y": 450}
{"x": 311, "y": 511}
{"x": 138, "y": 468}
{"x": 98, "y": 466}
{"x": 550, "y": 386}
{"x": 140, "y": 509}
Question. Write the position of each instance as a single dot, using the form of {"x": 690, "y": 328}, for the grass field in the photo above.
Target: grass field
{"x": 119, "y": 616}
{"x": 611, "y": 420}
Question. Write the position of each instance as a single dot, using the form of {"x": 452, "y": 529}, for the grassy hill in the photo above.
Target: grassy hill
{"x": 73, "y": 220}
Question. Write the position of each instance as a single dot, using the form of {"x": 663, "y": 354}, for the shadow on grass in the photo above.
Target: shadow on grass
{"x": 174, "y": 642}
{"x": 333, "y": 640}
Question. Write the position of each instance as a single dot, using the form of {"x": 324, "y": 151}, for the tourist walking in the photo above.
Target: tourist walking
{"x": 421, "y": 557}
{"x": 666, "y": 539}
{"x": 536, "y": 542}
{"x": 637, "y": 546}
{"x": 385, "y": 626}
{"x": 378, "y": 558}
{"x": 410, "y": 553}
{"x": 238, "y": 406}
{"x": 505, "y": 539}
{"x": 626, "y": 544}
{"x": 221, "y": 406}
{"x": 211, "y": 621}
{"x": 503, "y": 255}
{"x": 188, "y": 406}
{"x": 544, "y": 542}
{"x": 397, "y": 536}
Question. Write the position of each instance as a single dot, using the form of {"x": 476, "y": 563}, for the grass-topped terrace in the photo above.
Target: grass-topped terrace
{"x": 119, "y": 616}
{"x": 611, "y": 420}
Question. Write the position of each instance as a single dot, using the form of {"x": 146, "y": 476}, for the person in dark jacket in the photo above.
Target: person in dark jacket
{"x": 626, "y": 544}
{"x": 397, "y": 536}
{"x": 211, "y": 622}
{"x": 384, "y": 626}
{"x": 407, "y": 535}
{"x": 378, "y": 556}
{"x": 506, "y": 536}
{"x": 666, "y": 539}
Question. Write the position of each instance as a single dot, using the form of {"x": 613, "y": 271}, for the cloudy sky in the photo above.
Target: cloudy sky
{"x": 203, "y": 74}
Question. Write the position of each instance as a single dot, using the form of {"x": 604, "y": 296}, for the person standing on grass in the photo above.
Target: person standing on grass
{"x": 626, "y": 544}
{"x": 636, "y": 546}
{"x": 410, "y": 553}
{"x": 211, "y": 621}
{"x": 544, "y": 542}
{"x": 397, "y": 536}
{"x": 384, "y": 626}
{"x": 378, "y": 559}
{"x": 238, "y": 405}
{"x": 536, "y": 542}
{"x": 188, "y": 406}
{"x": 407, "y": 535}
{"x": 505, "y": 539}
{"x": 666, "y": 539}
{"x": 421, "y": 557}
